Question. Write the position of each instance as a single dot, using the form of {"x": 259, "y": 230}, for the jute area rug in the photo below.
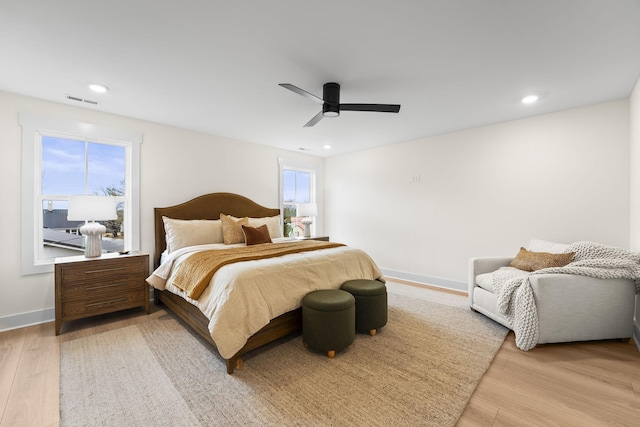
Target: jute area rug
{"x": 420, "y": 369}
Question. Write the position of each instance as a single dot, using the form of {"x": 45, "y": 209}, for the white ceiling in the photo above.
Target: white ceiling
{"x": 214, "y": 66}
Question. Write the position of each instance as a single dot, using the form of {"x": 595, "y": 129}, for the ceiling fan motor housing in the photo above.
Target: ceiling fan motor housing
{"x": 331, "y": 97}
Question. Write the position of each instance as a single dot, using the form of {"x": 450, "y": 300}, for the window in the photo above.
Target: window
{"x": 63, "y": 158}
{"x": 298, "y": 186}
{"x": 77, "y": 167}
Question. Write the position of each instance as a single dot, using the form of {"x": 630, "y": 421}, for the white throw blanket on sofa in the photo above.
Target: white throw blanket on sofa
{"x": 515, "y": 295}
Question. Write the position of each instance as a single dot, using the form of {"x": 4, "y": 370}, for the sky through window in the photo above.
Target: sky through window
{"x": 78, "y": 167}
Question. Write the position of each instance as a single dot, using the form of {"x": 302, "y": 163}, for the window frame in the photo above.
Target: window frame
{"x": 33, "y": 127}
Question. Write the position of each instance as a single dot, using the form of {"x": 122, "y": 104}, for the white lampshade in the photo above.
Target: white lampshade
{"x": 307, "y": 209}
{"x": 92, "y": 208}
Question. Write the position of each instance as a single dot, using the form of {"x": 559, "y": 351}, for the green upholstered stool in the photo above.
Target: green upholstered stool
{"x": 328, "y": 320}
{"x": 371, "y": 304}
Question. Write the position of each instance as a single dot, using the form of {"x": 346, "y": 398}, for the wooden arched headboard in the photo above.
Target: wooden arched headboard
{"x": 208, "y": 206}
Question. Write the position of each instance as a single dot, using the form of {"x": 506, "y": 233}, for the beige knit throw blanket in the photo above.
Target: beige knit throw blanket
{"x": 196, "y": 271}
{"x": 515, "y": 295}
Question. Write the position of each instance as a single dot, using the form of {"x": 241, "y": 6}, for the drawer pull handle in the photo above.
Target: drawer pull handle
{"x": 105, "y": 270}
{"x": 112, "y": 285}
{"x": 114, "y": 301}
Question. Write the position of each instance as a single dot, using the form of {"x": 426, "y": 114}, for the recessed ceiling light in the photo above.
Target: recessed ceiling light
{"x": 99, "y": 88}
{"x": 327, "y": 147}
{"x": 529, "y": 99}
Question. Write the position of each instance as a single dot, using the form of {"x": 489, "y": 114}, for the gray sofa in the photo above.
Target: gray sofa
{"x": 570, "y": 307}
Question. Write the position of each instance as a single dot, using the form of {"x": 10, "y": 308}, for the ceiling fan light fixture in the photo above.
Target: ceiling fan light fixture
{"x": 330, "y": 110}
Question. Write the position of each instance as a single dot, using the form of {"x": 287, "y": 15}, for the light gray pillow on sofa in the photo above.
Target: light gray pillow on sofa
{"x": 539, "y": 245}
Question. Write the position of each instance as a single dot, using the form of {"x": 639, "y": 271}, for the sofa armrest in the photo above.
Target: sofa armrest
{"x": 483, "y": 265}
{"x": 580, "y": 308}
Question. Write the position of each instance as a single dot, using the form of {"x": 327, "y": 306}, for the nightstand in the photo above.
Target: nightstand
{"x": 322, "y": 238}
{"x": 90, "y": 286}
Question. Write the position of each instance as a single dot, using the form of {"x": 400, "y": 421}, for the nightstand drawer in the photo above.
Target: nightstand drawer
{"x": 103, "y": 270}
{"x": 102, "y": 287}
{"x": 102, "y": 304}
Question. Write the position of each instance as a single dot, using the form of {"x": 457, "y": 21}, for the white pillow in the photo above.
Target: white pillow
{"x": 539, "y": 245}
{"x": 181, "y": 233}
{"x": 274, "y": 224}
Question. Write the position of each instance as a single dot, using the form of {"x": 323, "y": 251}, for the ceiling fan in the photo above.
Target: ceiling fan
{"x": 331, "y": 105}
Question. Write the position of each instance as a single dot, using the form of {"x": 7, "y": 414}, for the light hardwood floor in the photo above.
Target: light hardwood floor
{"x": 578, "y": 384}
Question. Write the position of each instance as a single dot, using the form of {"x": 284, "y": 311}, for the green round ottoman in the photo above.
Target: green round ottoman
{"x": 328, "y": 320}
{"x": 371, "y": 304}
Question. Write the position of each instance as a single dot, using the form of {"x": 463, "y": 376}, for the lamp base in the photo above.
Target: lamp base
{"x": 307, "y": 226}
{"x": 92, "y": 232}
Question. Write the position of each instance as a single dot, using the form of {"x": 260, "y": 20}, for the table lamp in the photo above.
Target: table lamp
{"x": 91, "y": 209}
{"x": 307, "y": 211}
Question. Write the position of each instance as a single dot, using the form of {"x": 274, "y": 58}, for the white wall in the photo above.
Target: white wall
{"x": 176, "y": 165}
{"x": 484, "y": 192}
{"x": 634, "y": 109}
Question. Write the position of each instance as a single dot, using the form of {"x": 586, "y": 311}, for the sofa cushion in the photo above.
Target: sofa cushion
{"x": 532, "y": 261}
{"x": 485, "y": 281}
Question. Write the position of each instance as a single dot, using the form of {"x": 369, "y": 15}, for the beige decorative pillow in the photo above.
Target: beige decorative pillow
{"x": 181, "y": 233}
{"x": 256, "y": 235}
{"x": 532, "y": 261}
{"x": 232, "y": 229}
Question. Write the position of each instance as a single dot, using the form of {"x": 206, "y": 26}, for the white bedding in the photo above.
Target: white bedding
{"x": 243, "y": 297}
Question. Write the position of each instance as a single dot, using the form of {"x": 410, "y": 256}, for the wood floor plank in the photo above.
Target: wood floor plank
{"x": 584, "y": 373}
{"x": 478, "y": 413}
{"x": 596, "y": 360}
{"x": 505, "y": 418}
{"x": 34, "y": 398}
{"x": 565, "y": 384}
{"x": 595, "y": 399}
{"x": 636, "y": 387}
{"x": 11, "y": 347}
{"x": 532, "y": 404}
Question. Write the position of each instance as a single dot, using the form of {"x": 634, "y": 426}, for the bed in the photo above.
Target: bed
{"x": 242, "y": 298}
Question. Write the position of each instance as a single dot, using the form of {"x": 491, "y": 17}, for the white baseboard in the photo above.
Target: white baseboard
{"x": 22, "y": 320}
{"x": 37, "y": 317}
{"x": 426, "y": 280}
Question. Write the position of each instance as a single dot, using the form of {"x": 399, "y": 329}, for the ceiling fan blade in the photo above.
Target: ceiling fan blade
{"x": 382, "y": 108}
{"x": 314, "y": 120}
{"x": 304, "y": 93}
